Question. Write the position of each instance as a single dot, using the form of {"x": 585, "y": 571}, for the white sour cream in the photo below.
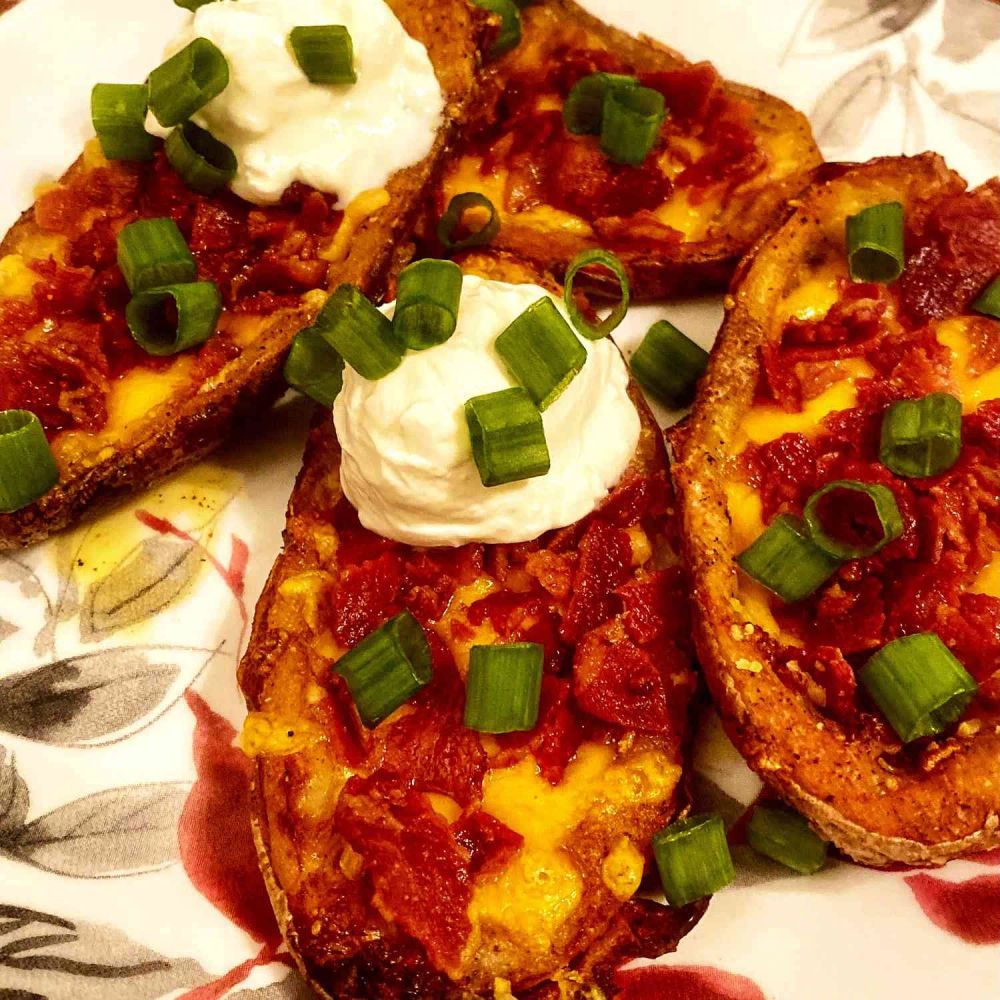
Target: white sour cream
{"x": 341, "y": 139}
{"x": 407, "y": 461}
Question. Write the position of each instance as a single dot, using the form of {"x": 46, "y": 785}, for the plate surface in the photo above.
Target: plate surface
{"x": 126, "y": 869}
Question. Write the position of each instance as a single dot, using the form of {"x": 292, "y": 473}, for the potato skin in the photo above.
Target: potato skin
{"x": 177, "y": 433}
{"x": 667, "y": 271}
{"x": 836, "y": 780}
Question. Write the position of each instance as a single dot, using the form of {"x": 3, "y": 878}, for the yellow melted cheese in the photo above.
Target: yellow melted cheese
{"x": 972, "y": 389}
{"x": 988, "y": 581}
{"x": 745, "y": 515}
{"x": 693, "y": 221}
{"x": 814, "y": 297}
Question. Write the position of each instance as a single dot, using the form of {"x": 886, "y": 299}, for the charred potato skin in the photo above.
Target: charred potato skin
{"x": 838, "y": 782}
{"x": 374, "y": 958}
{"x": 692, "y": 267}
{"x": 176, "y": 433}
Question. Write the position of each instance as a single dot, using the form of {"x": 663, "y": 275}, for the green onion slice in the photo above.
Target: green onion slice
{"x": 509, "y": 36}
{"x": 503, "y": 687}
{"x": 360, "y": 333}
{"x": 152, "y": 253}
{"x": 324, "y": 52}
{"x": 187, "y": 81}
{"x": 593, "y": 258}
{"x": 631, "y": 123}
{"x": 204, "y": 164}
{"x": 875, "y": 243}
{"x": 27, "y": 467}
{"x": 783, "y": 835}
{"x": 667, "y": 364}
{"x": 508, "y": 438}
{"x": 988, "y": 301}
{"x": 583, "y": 112}
{"x": 427, "y": 303}
{"x": 922, "y": 437}
{"x": 541, "y": 352}
{"x": 786, "y": 560}
{"x": 918, "y": 684}
{"x": 118, "y": 111}
{"x": 192, "y": 4}
{"x": 314, "y": 367}
{"x": 882, "y": 504}
{"x": 171, "y": 319}
{"x": 454, "y": 216}
{"x": 387, "y": 668}
{"x": 693, "y": 858}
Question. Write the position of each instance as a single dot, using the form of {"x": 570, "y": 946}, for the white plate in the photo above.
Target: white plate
{"x": 122, "y": 799}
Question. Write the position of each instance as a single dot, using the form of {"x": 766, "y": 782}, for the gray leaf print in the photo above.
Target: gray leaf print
{"x": 968, "y": 27}
{"x": 847, "y": 108}
{"x": 13, "y": 797}
{"x": 152, "y": 575}
{"x": 86, "y": 698}
{"x": 120, "y": 831}
{"x": 57, "y": 959}
{"x": 7, "y": 629}
{"x": 852, "y": 24}
{"x": 980, "y": 107}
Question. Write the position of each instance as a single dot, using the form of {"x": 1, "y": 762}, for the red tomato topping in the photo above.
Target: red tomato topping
{"x": 365, "y": 597}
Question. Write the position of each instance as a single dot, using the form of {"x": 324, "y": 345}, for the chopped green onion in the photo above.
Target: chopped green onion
{"x": 508, "y": 438}
{"x": 583, "y": 112}
{"x": 631, "y": 124}
{"x": 922, "y": 437}
{"x": 454, "y": 216}
{"x": 427, "y": 303}
{"x": 693, "y": 858}
{"x": 187, "y": 81}
{"x": 503, "y": 687}
{"x": 118, "y": 111}
{"x": 883, "y": 503}
{"x": 204, "y": 164}
{"x": 324, "y": 52}
{"x": 783, "y": 835}
{"x": 541, "y": 352}
{"x": 27, "y": 468}
{"x": 360, "y": 333}
{"x": 192, "y": 4}
{"x": 387, "y": 668}
{"x": 509, "y": 35}
{"x": 875, "y": 243}
{"x": 786, "y": 561}
{"x": 606, "y": 259}
{"x": 155, "y": 328}
{"x": 988, "y": 301}
{"x": 314, "y": 367}
{"x": 919, "y": 685}
{"x": 152, "y": 253}
{"x": 667, "y": 364}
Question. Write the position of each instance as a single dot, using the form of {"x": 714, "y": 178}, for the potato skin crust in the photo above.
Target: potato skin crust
{"x": 690, "y": 267}
{"x": 178, "y": 433}
{"x": 373, "y": 957}
{"x": 834, "y": 779}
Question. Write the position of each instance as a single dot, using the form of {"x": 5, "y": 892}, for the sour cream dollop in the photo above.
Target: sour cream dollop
{"x": 341, "y": 139}
{"x": 407, "y": 461}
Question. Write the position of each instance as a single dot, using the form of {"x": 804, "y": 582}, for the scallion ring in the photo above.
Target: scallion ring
{"x": 668, "y": 364}
{"x": 922, "y": 437}
{"x": 187, "y": 81}
{"x": 27, "y": 467}
{"x": 541, "y": 352}
{"x": 783, "y": 835}
{"x": 693, "y": 858}
{"x": 919, "y": 685}
{"x": 361, "y": 334}
{"x": 314, "y": 368}
{"x": 503, "y": 687}
{"x": 165, "y": 321}
{"x": 454, "y": 219}
{"x": 875, "y": 243}
{"x": 192, "y": 4}
{"x": 988, "y": 300}
{"x": 204, "y": 164}
{"x": 118, "y": 111}
{"x": 631, "y": 123}
{"x": 507, "y": 436}
{"x": 583, "y": 112}
{"x": 324, "y": 52}
{"x": 152, "y": 253}
{"x": 607, "y": 260}
{"x": 387, "y": 668}
{"x": 509, "y": 35}
{"x": 882, "y": 502}
{"x": 427, "y": 303}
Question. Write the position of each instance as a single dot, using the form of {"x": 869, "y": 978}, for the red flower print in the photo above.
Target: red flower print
{"x": 684, "y": 982}
{"x": 969, "y": 910}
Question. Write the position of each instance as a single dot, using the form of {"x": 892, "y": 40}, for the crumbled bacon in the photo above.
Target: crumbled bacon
{"x": 604, "y": 564}
{"x": 365, "y": 597}
{"x": 656, "y": 606}
{"x": 490, "y": 843}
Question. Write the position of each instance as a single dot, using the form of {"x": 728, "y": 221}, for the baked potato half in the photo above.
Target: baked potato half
{"x": 727, "y": 158}
{"x": 118, "y": 418}
{"x": 424, "y": 859}
{"x": 807, "y": 365}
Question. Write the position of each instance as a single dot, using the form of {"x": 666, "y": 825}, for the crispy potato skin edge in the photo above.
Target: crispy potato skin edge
{"x": 835, "y": 782}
